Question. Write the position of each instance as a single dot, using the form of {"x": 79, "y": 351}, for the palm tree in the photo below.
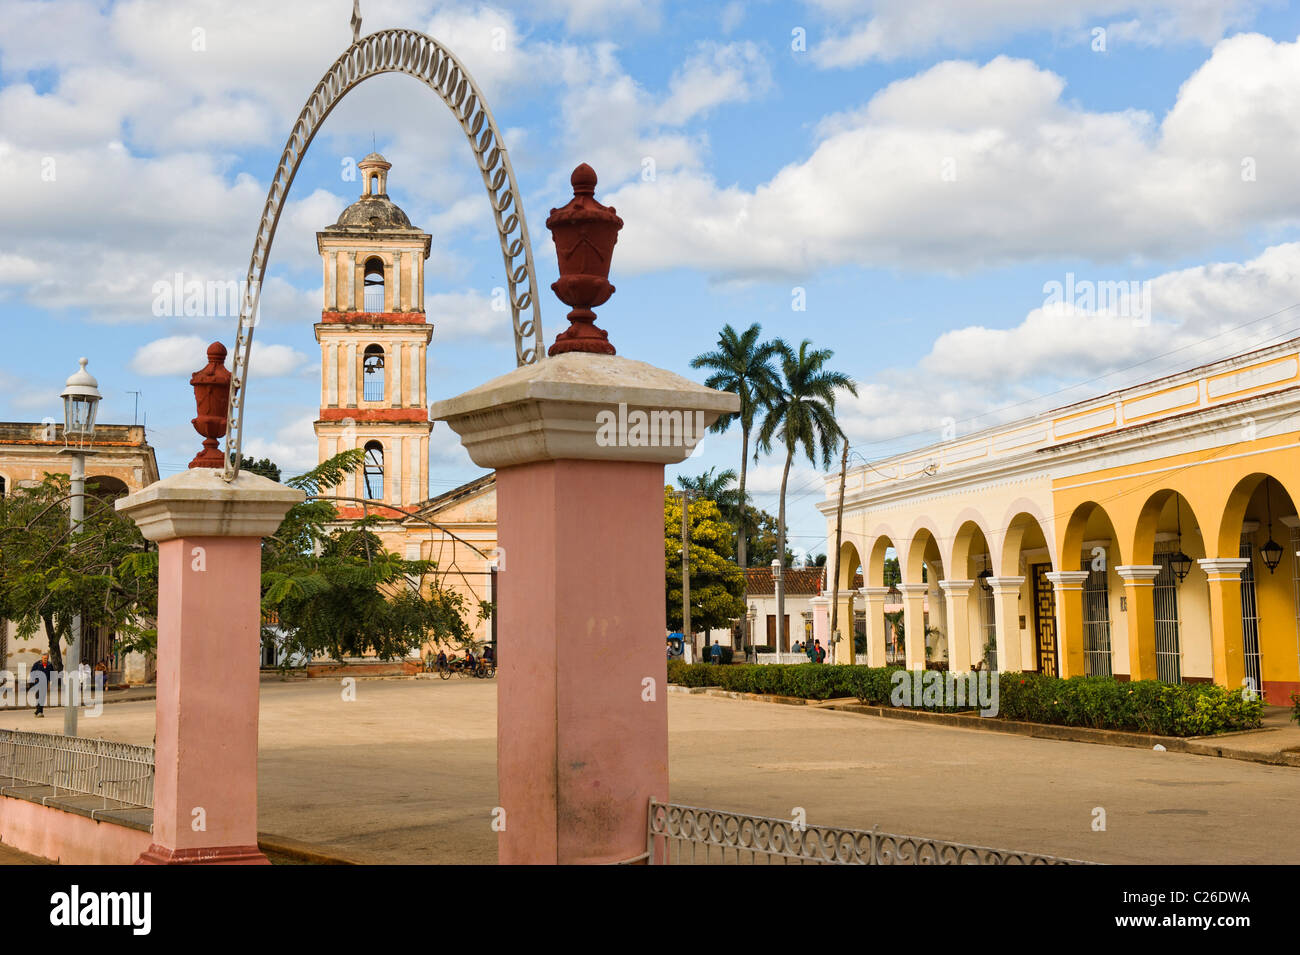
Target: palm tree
{"x": 713, "y": 487}
{"x": 743, "y": 366}
{"x": 801, "y": 415}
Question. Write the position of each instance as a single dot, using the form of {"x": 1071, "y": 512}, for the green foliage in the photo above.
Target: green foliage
{"x": 800, "y": 414}
{"x": 336, "y": 590}
{"x": 761, "y": 538}
{"x": 742, "y": 365}
{"x": 717, "y": 584}
{"x": 109, "y": 577}
{"x": 265, "y": 467}
{"x": 1144, "y": 706}
{"x": 893, "y": 575}
{"x": 1295, "y": 707}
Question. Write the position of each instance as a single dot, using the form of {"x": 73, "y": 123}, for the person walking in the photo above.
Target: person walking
{"x": 811, "y": 650}
{"x": 715, "y": 652}
{"x": 821, "y": 652}
{"x": 41, "y": 671}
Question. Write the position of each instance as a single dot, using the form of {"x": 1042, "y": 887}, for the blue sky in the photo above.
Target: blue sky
{"x": 919, "y": 168}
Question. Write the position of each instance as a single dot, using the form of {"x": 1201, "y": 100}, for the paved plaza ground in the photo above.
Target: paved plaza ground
{"x": 407, "y": 773}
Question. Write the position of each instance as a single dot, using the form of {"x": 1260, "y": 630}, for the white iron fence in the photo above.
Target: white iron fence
{"x": 120, "y": 772}
{"x": 687, "y": 835}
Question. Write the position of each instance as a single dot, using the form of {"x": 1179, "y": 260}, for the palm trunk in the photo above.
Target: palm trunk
{"x": 742, "y": 529}
{"x": 780, "y": 548}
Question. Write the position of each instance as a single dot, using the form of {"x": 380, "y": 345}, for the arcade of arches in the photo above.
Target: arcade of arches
{"x": 1151, "y": 533}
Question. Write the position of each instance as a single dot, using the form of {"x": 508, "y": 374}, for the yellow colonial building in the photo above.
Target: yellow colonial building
{"x": 374, "y": 336}
{"x": 1150, "y": 533}
{"x": 120, "y": 461}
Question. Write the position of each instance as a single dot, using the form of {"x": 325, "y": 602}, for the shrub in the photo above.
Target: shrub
{"x": 1144, "y": 706}
{"x": 1295, "y": 707}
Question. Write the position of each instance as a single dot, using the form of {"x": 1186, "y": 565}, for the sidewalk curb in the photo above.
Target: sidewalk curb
{"x": 309, "y": 852}
{"x": 1192, "y": 745}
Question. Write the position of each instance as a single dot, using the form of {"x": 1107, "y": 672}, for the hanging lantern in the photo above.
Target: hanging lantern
{"x": 1272, "y": 554}
{"x": 1182, "y": 565}
{"x": 1272, "y": 551}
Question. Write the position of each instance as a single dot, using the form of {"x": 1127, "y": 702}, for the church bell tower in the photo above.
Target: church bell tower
{"x": 374, "y": 337}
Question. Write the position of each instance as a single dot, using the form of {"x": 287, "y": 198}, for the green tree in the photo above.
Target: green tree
{"x": 336, "y": 590}
{"x": 893, "y": 576}
{"x": 743, "y": 366}
{"x": 801, "y": 416}
{"x": 265, "y": 467}
{"x": 762, "y": 538}
{"x": 717, "y": 584}
{"x": 716, "y": 488}
{"x": 107, "y": 572}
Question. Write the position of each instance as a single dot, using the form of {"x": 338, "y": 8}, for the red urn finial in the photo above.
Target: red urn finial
{"x": 584, "y": 232}
{"x": 212, "y": 395}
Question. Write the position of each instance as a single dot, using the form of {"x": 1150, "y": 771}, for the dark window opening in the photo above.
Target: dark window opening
{"x": 373, "y": 285}
{"x": 374, "y": 471}
{"x": 372, "y": 378}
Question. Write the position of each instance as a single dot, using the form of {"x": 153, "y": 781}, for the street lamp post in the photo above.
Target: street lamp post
{"x": 777, "y": 578}
{"x": 80, "y": 403}
{"x": 753, "y": 612}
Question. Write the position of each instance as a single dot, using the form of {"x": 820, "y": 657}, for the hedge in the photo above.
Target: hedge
{"x": 1144, "y": 706}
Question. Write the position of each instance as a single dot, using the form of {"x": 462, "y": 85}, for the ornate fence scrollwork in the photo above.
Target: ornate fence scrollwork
{"x": 714, "y": 837}
{"x": 423, "y": 57}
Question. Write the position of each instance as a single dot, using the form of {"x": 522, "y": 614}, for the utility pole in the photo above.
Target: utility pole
{"x": 686, "y": 568}
{"x": 835, "y": 591}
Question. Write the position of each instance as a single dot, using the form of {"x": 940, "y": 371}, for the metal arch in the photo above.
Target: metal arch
{"x": 423, "y": 57}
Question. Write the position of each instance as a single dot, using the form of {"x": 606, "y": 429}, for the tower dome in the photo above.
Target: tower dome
{"x": 374, "y": 211}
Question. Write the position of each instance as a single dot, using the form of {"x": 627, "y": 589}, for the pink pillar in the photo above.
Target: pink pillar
{"x": 582, "y": 720}
{"x": 209, "y": 623}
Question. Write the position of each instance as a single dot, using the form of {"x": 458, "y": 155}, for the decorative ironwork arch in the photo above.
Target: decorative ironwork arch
{"x": 421, "y": 56}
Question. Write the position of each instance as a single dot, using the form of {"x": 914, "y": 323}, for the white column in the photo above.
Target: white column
{"x": 350, "y": 261}
{"x": 1006, "y": 618}
{"x": 417, "y": 283}
{"x": 331, "y": 371}
{"x": 351, "y": 358}
{"x": 330, "y": 286}
{"x": 393, "y": 376}
{"x": 914, "y": 624}
{"x": 399, "y": 299}
{"x": 873, "y": 599}
{"x": 958, "y": 594}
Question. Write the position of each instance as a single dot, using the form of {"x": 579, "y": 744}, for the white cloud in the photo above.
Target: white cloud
{"x": 468, "y": 314}
{"x": 293, "y": 445}
{"x": 715, "y": 74}
{"x": 966, "y": 166}
{"x": 182, "y": 355}
{"x": 885, "y": 30}
{"x": 979, "y": 376}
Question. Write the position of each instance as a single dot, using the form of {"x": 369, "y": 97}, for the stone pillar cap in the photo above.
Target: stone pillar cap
{"x": 1067, "y": 576}
{"x": 1135, "y": 573}
{"x": 951, "y": 585}
{"x": 583, "y": 406}
{"x": 914, "y": 589}
{"x": 198, "y": 503}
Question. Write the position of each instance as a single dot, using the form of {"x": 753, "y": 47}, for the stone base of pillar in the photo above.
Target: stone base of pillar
{"x": 216, "y": 855}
